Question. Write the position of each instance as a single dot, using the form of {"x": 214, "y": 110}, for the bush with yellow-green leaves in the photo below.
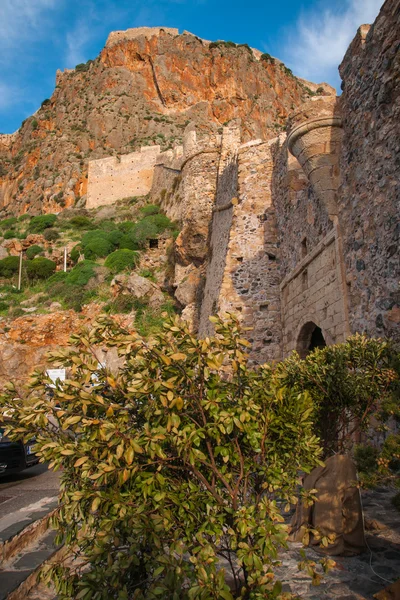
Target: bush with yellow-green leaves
{"x": 176, "y": 469}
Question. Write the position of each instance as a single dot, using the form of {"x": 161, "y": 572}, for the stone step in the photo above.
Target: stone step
{"x": 26, "y": 542}
{"x": 19, "y": 576}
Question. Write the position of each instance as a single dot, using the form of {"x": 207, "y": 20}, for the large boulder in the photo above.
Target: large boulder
{"x": 337, "y": 511}
{"x": 138, "y": 287}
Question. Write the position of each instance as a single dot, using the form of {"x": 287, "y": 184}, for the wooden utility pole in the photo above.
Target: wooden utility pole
{"x": 20, "y": 271}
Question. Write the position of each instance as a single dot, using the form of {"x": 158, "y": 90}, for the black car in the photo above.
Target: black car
{"x": 15, "y": 456}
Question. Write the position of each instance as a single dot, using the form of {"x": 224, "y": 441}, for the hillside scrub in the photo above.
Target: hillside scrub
{"x": 121, "y": 260}
{"x": 182, "y": 458}
{"x": 39, "y": 268}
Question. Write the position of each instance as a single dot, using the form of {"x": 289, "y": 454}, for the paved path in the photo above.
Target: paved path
{"x": 358, "y": 577}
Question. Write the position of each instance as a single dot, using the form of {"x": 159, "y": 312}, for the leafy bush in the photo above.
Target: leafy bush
{"x": 126, "y": 226}
{"x": 9, "y": 222}
{"x": 40, "y": 268}
{"x": 9, "y": 266}
{"x": 81, "y": 222}
{"x": 97, "y": 247}
{"x": 122, "y": 260}
{"x": 41, "y": 222}
{"x": 128, "y": 242}
{"x": 365, "y": 458}
{"x": 106, "y": 225}
{"x": 32, "y": 251}
{"x": 3, "y": 306}
{"x": 51, "y": 235}
{"x": 170, "y": 465}
{"x": 115, "y": 237}
{"x": 267, "y": 58}
{"x": 143, "y": 231}
{"x": 349, "y": 384}
{"x": 150, "y": 209}
{"x": 81, "y": 273}
{"x": 75, "y": 253}
{"x": 57, "y": 277}
{"x": 9, "y": 234}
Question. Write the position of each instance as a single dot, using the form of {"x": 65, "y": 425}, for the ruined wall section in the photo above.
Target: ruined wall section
{"x": 245, "y": 254}
{"x": 370, "y": 193}
{"x": 111, "y": 179}
{"x": 302, "y": 219}
{"x": 312, "y": 285}
{"x": 312, "y": 293}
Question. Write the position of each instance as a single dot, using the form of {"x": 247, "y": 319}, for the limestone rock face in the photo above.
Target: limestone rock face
{"x": 142, "y": 90}
{"x": 138, "y": 287}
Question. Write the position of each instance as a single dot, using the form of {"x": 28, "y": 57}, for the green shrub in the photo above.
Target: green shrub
{"x": 122, "y": 260}
{"x": 45, "y": 102}
{"x": 150, "y": 209}
{"x": 57, "y": 277}
{"x": 41, "y": 222}
{"x": 115, "y": 237}
{"x": 267, "y": 58}
{"x": 40, "y": 268}
{"x": 97, "y": 248}
{"x": 126, "y": 226}
{"x": 32, "y": 251}
{"x": 365, "y": 457}
{"x": 3, "y": 306}
{"x": 35, "y": 124}
{"x": 9, "y": 266}
{"x": 93, "y": 235}
{"x": 9, "y": 222}
{"x": 81, "y": 222}
{"x": 75, "y": 253}
{"x": 106, "y": 225}
{"x": 24, "y": 217}
{"x": 350, "y": 383}
{"x": 81, "y": 273}
{"x": 128, "y": 242}
{"x": 9, "y": 234}
{"x": 51, "y": 235}
{"x": 169, "y": 465}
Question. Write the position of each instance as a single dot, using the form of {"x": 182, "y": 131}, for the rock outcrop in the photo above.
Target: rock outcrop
{"x": 143, "y": 89}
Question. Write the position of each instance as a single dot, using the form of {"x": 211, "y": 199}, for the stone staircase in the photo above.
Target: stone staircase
{"x": 26, "y": 544}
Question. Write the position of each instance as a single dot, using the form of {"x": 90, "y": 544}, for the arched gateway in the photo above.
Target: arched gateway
{"x": 310, "y": 337}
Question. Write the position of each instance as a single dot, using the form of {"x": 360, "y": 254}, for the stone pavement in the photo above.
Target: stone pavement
{"x": 353, "y": 578}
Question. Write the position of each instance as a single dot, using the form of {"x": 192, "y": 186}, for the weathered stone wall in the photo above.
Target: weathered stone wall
{"x": 313, "y": 294}
{"x": 370, "y": 192}
{"x": 243, "y": 273}
{"x": 111, "y": 179}
{"x": 116, "y": 37}
{"x": 313, "y": 290}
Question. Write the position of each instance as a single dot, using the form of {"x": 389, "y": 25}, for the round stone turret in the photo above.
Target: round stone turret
{"x": 314, "y": 138}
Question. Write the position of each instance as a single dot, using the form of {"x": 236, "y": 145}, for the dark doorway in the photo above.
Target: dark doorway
{"x": 310, "y": 338}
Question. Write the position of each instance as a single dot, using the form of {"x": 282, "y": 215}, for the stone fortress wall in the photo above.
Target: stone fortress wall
{"x": 298, "y": 235}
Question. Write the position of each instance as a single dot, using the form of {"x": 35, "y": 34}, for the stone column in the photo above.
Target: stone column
{"x": 314, "y": 138}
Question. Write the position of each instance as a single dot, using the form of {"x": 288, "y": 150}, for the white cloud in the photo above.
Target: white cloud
{"x": 316, "y": 46}
{"x": 77, "y": 40}
{"x": 22, "y": 19}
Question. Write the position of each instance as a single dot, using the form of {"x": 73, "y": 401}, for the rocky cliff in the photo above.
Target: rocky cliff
{"x": 143, "y": 89}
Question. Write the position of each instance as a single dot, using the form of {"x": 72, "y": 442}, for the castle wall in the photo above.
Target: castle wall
{"x": 369, "y": 204}
{"x": 313, "y": 289}
{"x": 111, "y": 179}
{"x": 312, "y": 293}
{"x": 243, "y": 273}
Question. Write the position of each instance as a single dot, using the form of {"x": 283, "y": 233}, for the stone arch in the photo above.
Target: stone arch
{"x": 310, "y": 337}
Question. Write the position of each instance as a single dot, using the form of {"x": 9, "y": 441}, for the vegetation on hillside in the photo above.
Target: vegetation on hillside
{"x": 103, "y": 247}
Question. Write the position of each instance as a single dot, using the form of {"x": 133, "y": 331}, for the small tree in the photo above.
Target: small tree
{"x": 350, "y": 383}
{"x": 179, "y": 461}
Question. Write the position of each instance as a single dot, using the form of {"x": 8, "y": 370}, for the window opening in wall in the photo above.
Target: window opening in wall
{"x": 153, "y": 243}
{"x": 271, "y": 256}
{"x": 239, "y": 258}
{"x": 310, "y": 338}
{"x": 304, "y": 247}
{"x": 304, "y": 280}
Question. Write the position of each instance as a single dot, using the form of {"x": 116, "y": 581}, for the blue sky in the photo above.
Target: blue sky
{"x": 37, "y": 37}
